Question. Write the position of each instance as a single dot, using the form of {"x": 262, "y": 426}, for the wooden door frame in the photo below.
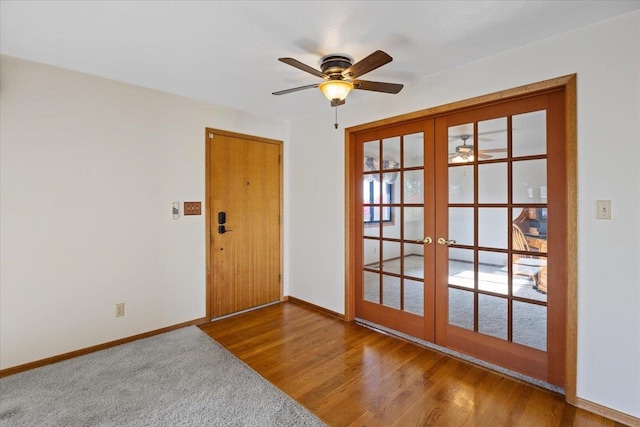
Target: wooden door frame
{"x": 566, "y": 83}
{"x": 208, "y": 136}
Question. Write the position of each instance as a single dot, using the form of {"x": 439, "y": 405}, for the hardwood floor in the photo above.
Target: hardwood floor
{"x": 349, "y": 375}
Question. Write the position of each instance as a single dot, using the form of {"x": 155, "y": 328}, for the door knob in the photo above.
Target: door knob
{"x": 427, "y": 240}
{"x": 443, "y": 241}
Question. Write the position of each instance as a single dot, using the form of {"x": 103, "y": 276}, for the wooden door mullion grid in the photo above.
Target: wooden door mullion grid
{"x": 381, "y": 310}
{"x": 546, "y": 364}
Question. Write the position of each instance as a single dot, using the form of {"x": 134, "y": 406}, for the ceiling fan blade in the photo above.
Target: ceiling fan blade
{"x": 470, "y": 135}
{"x": 493, "y": 150}
{"x": 370, "y": 63}
{"x": 377, "y": 86}
{"x": 484, "y": 156}
{"x": 295, "y": 89}
{"x": 300, "y": 66}
{"x": 489, "y": 132}
{"x": 460, "y": 137}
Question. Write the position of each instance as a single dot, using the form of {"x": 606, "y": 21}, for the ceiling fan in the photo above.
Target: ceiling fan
{"x": 341, "y": 76}
{"x": 465, "y": 153}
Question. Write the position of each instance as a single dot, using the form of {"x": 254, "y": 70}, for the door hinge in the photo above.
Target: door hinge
{"x": 210, "y": 136}
{"x": 279, "y": 158}
{"x": 279, "y": 278}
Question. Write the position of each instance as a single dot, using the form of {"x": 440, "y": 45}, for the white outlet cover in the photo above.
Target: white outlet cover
{"x": 604, "y": 209}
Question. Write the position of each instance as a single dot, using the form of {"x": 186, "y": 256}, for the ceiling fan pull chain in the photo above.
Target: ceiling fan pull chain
{"x": 336, "y": 123}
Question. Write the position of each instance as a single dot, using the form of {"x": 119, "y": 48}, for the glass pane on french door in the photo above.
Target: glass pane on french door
{"x": 393, "y": 216}
{"x": 497, "y": 223}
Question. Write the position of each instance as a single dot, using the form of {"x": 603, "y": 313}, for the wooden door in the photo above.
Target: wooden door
{"x": 486, "y": 274}
{"x": 501, "y": 234}
{"x": 244, "y": 216}
{"x": 395, "y": 286}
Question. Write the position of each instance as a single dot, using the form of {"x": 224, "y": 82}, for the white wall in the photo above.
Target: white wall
{"x": 606, "y": 58}
{"x": 89, "y": 168}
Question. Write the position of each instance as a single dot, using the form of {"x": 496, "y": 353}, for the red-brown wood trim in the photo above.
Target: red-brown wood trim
{"x": 557, "y": 259}
{"x": 529, "y": 361}
{"x": 303, "y": 303}
{"x": 408, "y": 323}
{"x": 92, "y": 349}
{"x": 350, "y": 202}
{"x": 476, "y": 102}
{"x": 571, "y": 168}
{"x": 441, "y": 201}
{"x": 429, "y": 218}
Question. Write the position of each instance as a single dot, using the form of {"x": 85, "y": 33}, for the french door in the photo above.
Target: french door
{"x": 462, "y": 232}
{"x": 396, "y": 285}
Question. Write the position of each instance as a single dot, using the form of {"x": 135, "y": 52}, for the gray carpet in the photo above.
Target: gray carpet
{"x": 180, "y": 378}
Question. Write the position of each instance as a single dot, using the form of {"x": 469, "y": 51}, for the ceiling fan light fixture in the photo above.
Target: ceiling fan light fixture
{"x": 462, "y": 158}
{"x": 336, "y": 90}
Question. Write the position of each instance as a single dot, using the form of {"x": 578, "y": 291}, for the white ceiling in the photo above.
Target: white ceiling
{"x": 225, "y": 52}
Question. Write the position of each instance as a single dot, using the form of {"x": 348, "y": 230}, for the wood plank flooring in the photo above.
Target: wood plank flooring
{"x": 349, "y": 375}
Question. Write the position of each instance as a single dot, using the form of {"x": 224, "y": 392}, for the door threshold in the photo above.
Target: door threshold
{"x": 458, "y": 355}
{"x": 235, "y": 313}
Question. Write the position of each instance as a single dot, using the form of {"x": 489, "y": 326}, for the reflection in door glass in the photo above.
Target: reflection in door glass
{"x": 413, "y": 151}
{"x": 461, "y": 226}
{"x": 391, "y": 257}
{"x": 374, "y": 193}
{"x": 413, "y": 260}
{"x": 391, "y": 228}
{"x": 371, "y": 254}
{"x": 530, "y": 134}
{"x": 414, "y": 297}
{"x": 530, "y": 181}
{"x": 492, "y": 139}
{"x": 413, "y": 223}
{"x": 371, "y": 156}
{"x": 371, "y": 225}
{"x": 391, "y": 153}
{"x": 461, "y": 184}
{"x": 371, "y": 288}
{"x": 493, "y": 272}
{"x": 414, "y": 187}
{"x": 492, "y": 183}
{"x": 461, "y": 267}
{"x": 391, "y": 291}
{"x": 492, "y": 316}
{"x": 461, "y": 149}
{"x": 532, "y": 221}
{"x": 530, "y": 325}
{"x": 492, "y": 227}
{"x": 461, "y": 308}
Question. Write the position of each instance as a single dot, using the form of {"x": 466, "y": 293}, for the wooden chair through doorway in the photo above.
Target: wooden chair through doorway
{"x": 526, "y": 265}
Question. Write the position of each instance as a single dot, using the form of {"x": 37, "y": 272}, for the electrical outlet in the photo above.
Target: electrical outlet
{"x": 119, "y": 312}
{"x": 604, "y": 209}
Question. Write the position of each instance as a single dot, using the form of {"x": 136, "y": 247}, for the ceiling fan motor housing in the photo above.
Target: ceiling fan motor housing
{"x": 334, "y": 65}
